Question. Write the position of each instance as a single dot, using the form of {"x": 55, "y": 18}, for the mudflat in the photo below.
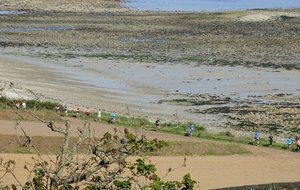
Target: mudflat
{"x": 237, "y": 69}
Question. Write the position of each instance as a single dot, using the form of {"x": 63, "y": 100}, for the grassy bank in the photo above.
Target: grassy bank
{"x": 46, "y": 110}
{"x": 51, "y": 145}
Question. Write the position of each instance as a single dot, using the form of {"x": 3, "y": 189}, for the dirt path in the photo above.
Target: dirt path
{"x": 264, "y": 165}
{"x": 211, "y": 171}
{"x": 36, "y": 128}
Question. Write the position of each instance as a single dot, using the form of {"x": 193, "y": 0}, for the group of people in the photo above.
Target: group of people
{"x": 20, "y": 105}
{"x": 113, "y": 116}
{"x": 58, "y": 108}
{"x": 87, "y": 113}
{"x": 290, "y": 141}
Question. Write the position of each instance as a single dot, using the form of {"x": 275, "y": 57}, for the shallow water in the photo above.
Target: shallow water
{"x": 2, "y": 12}
{"x": 37, "y": 29}
{"x": 209, "y": 5}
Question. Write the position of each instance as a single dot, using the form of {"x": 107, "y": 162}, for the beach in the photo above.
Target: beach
{"x": 230, "y": 72}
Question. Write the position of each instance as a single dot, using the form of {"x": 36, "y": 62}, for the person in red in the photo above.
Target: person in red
{"x": 298, "y": 144}
{"x": 18, "y": 104}
{"x": 87, "y": 112}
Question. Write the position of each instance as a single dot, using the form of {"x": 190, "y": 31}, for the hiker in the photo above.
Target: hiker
{"x": 157, "y": 123}
{"x": 66, "y": 110}
{"x": 87, "y": 112}
{"x": 256, "y": 137}
{"x": 290, "y": 142}
{"x": 99, "y": 115}
{"x": 24, "y": 105}
{"x": 77, "y": 111}
{"x": 270, "y": 140}
{"x": 191, "y": 129}
{"x": 113, "y": 117}
{"x": 57, "y": 108}
{"x": 298, "y": 144}
{"x": 18, "y": 105}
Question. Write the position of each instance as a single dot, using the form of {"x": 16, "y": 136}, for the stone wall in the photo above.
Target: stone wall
{"x": 272, "y": 186}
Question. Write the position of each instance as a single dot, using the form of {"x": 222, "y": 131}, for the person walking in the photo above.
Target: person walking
{"x": 57, "y": 108}
{"x": 77, "y": 111}
{"x": 66, "y": 110}
{"x": 113, "y": 117}
{"x": 270, "y": 140}
{"x": 256, "y": 137}
{"x": 157, "y": 123}
{"x": 298, "y": 144}
{"x": 87, "y": 112}
{"x": 191, "y": 129}
{"x": 290, "y": 142}
{"x": 18, "y": 105}
{"x": 99, "y": 115}
{"x": 24, "y": 105}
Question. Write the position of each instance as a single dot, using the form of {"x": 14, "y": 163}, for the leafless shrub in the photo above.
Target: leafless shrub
{"x": 105, "y": 164}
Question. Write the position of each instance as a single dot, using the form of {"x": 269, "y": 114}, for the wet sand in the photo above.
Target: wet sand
{"x": 111, "y": 85}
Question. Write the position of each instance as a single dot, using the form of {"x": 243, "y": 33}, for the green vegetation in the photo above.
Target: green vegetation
{"x": 210, "y": 148}
{"x": 30, "y": 104}
{"x": 51, "y": 145}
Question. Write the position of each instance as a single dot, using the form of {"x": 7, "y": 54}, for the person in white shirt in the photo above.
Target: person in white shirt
{"x": 99, "y": 116}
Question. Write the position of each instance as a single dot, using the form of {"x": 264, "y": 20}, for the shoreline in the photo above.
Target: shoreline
{"x": 225, "y": 71}
{"x": 144, "y": 98}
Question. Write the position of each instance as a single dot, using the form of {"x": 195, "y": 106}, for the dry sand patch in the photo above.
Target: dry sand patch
{"x": 267, "y": 15}
{"x": 212, "y": 172}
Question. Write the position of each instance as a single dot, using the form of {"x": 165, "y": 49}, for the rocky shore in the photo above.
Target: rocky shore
{"x": 260, "y": 38}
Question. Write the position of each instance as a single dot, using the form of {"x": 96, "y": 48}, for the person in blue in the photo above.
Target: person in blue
{"x": 290, "y": 142}
{"x": 256, "y": 137}
{"x": 191, "y": 129}
{"x": 113, "y": 117}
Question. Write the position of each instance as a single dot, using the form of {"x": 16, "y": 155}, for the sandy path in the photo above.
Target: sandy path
{"x": 214, "y": 172}
{"x": 36, "y": 128}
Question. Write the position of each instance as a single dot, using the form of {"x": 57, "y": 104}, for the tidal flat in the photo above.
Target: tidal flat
{"x": 150, "y": 60}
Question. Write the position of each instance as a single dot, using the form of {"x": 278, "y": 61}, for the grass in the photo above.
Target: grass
{"x": 52, "y": 145}
{"x": 199, "y": 149}
{"x": 31, "y": 104}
